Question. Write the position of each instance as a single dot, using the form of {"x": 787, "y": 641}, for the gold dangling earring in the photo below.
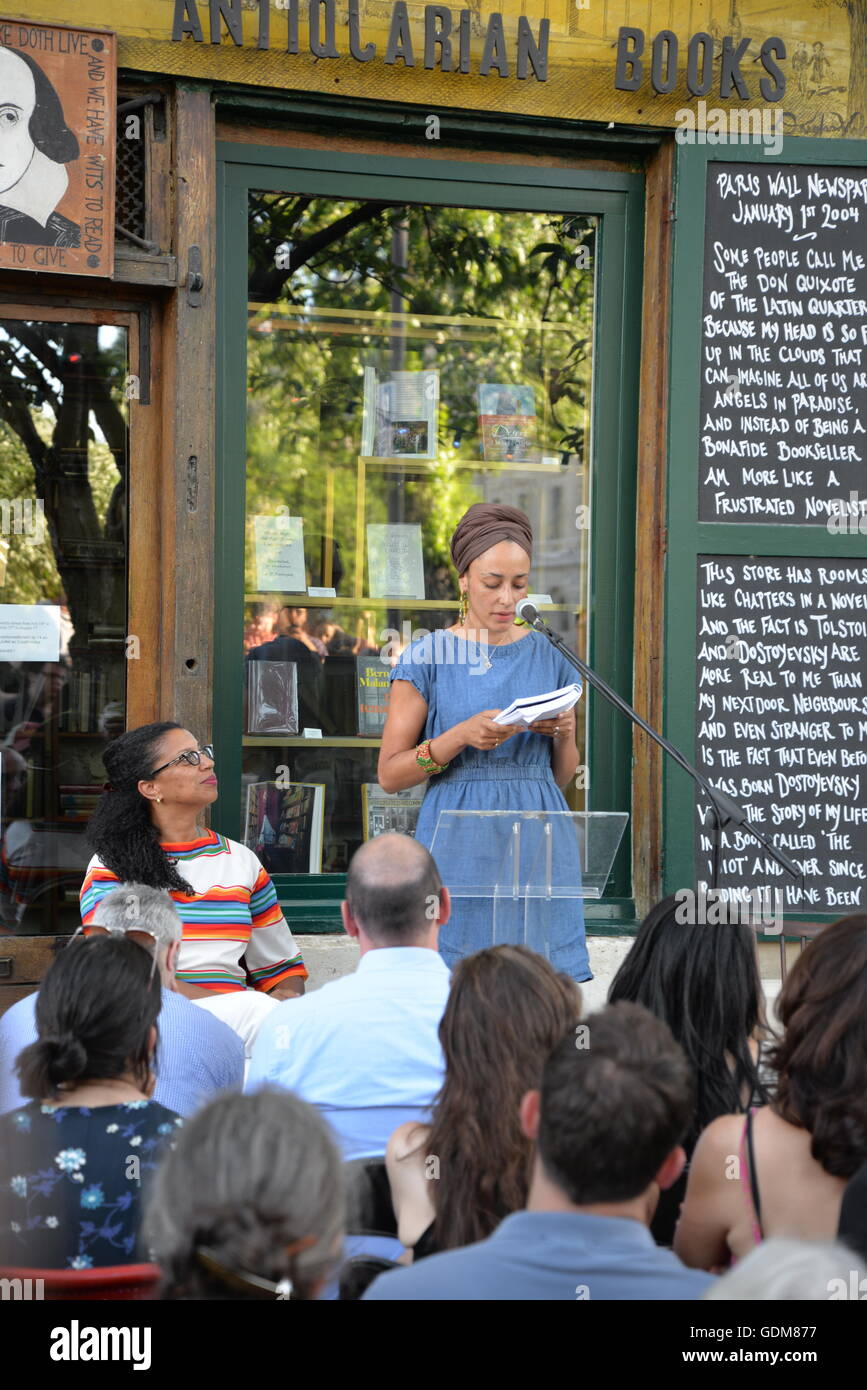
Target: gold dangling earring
{"x": 464, "y": 609}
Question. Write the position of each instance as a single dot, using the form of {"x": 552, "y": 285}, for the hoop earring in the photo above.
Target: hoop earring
{"x": 464, "y": 608}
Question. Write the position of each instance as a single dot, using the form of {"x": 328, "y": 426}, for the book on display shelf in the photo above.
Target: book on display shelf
{"x": 371, "y": 694}
{"x": 400, "y": 414}
{"x": 507, "y": 421}
{"x": 382, "y": 812}
{"x": 284, "y": 826}
{"x": 272, "y": 697}
{"x": 279, "y": 549}
{"x": 394, "y": 560}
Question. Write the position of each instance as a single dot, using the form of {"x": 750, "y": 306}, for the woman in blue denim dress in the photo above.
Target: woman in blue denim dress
{"x": 445, "y": 690}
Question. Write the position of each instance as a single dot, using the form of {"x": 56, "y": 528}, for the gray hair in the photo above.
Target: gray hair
{"x": 786, "y": 1270}
{"x": 251, "y": 1175}
{"x": 135, "y": 907}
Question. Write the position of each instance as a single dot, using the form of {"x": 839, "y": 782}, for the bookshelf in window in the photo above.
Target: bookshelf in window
{"x": 354, "y": 601}
{"x": 295, "y": 741}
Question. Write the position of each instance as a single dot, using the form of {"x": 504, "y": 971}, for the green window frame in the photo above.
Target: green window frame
{"x": 311, "y": 902}
{"x": 688, "y": 537}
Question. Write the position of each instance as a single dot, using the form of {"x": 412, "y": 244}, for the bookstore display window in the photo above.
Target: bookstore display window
{"x": 403, "y": 363}
{"x": 63, "y": 578}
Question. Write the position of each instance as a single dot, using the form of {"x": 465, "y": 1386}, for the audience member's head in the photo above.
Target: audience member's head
{"x": 506, "y": 1009}
{"x": 822, "y": 1057}
{"x": 96, "y": 1015}
{"x": 146, "y": 916}
{"x": 394, "y": 894}
{"x": 615, "y": 1102}
{"x": 250, "y": 1199}
{"x": 13, "y": 771}
{"x": 703, "y": 981}
{"x": 792, "y": 1271}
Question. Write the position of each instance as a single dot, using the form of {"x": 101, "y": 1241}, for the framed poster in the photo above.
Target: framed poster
{"x": 57, "y": 133}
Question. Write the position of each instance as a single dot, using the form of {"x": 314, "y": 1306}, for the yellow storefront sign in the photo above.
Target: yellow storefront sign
{"x": 602, "y": 61}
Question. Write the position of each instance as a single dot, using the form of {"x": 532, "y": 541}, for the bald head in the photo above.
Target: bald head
{"x": 393, "y": 889}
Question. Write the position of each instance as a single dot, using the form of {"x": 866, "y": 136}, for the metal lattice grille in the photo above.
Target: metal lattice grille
{"x": 130, "y": 183}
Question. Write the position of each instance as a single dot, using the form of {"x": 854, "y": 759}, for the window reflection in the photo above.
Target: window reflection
{"x": 403, "y": 363}
{"x": 63, "y": 470}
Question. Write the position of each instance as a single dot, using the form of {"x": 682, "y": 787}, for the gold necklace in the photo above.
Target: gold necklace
{"x": 488, "y": 662}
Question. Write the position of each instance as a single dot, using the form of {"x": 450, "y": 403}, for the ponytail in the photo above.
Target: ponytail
{"x": 52, "y": 1061}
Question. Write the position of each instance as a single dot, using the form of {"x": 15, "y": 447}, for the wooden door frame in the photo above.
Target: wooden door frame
{"x": 310, "y": 900}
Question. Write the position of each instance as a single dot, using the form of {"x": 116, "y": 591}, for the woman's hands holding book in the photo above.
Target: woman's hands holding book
{"x": 481, "y": 732}
{"x": 561, "y": 726}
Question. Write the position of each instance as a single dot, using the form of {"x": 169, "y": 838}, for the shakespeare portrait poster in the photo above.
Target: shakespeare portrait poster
{"x": 57, "y": 133}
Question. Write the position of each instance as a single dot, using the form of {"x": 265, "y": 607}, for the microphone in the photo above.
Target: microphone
{"x": 528, "y": 611}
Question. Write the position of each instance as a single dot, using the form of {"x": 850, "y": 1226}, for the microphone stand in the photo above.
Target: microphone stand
{"x": 723, "y": 811}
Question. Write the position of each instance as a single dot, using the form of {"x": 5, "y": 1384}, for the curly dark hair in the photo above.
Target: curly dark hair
{"x": 120, "y": 830}
{"x": 506, "y": 1010}
{"x": 822, "y": 1057}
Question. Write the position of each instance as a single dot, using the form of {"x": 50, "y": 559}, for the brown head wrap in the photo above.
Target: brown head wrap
{"x": 484, "y": 525}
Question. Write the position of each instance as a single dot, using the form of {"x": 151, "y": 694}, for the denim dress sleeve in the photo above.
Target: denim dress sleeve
{"x": 418, "y": 666}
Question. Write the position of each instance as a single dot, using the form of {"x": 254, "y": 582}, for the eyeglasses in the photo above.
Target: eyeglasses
{"x": 193, "y": 756}
{"x": 140, "y": 935}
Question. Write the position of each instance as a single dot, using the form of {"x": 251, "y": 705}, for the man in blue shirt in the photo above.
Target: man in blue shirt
{"x": 615, "y": 1103}
{"x": 197, "y": 1055}
{"x": 365, "y": 1049}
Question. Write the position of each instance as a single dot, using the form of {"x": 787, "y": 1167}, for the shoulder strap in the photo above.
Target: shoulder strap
{"x": 754, "y": 1177}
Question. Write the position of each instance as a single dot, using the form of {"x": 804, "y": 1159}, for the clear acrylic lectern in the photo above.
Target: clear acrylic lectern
{"x": 517, "y": 867}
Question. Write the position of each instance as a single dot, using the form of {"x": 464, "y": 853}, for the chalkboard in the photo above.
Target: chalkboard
{"x": 781, "y": 721}
{"x": 783, "y": 424}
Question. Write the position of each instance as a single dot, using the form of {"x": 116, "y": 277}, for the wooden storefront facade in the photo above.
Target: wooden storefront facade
{"x": 217, "y": 122}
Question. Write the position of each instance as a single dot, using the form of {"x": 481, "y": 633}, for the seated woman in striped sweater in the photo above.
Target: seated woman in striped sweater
{"x": 146, "y": 829}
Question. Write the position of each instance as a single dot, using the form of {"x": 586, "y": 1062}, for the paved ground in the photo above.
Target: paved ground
{"x": 327, "y": 957}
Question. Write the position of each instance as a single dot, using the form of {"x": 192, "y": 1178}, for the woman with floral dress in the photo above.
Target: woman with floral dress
{"x": 75, "y": 1161}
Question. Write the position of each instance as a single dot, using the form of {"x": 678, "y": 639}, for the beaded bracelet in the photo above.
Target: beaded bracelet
{"x": 426, "y": 762}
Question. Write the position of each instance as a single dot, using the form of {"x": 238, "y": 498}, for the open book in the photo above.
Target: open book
{"x": 536, "y": 707}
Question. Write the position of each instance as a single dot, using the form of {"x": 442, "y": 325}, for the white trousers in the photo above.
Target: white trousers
{"x": 245, "y": 1010}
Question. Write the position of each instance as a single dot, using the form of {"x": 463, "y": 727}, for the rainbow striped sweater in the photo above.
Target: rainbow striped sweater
{"x": 232, "y": 914}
